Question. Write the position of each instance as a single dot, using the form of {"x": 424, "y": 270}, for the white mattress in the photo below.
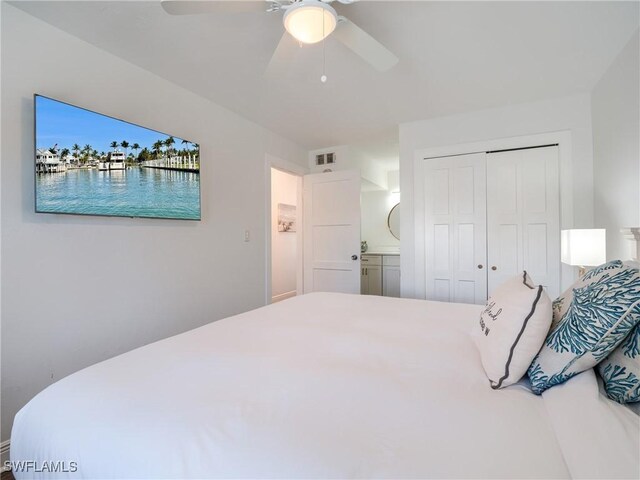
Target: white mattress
{"x": 321, "y": 386}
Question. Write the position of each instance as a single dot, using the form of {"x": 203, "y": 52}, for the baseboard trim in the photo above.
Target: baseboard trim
{"x": 4, "y": 454}
{"x": 283, "y": 296}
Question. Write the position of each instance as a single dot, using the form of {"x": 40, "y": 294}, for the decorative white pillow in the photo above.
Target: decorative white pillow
{"x": 590, "y": 319}
{"x": 513, "y": 327}
{"x": 620, "y": 371}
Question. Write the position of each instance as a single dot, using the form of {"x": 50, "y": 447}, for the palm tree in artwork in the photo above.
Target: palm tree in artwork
{"x": 124, "y": 144}
{"x": 135, "y": 147}
{"x": 87, "y": 152}
{"x": 76, "y": 152}
{"x": 157, "y": 148}
{"x": 186, "y": 146}
{"x": 64, "y": 153}
{"x": 169, "y": 142}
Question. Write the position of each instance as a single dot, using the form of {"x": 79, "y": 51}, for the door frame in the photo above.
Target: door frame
{"x": 561, "y": 138}
{"x": 299, "y": 171}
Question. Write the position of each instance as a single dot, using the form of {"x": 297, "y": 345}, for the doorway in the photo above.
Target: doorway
{"x": 305, "y": 252}
{"x": 286, "y": 235}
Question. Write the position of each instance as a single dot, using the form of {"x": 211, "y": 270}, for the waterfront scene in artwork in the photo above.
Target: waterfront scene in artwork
{"x": 81, "y": 167}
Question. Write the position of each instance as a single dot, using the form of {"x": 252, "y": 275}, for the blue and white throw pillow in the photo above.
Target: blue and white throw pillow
{"x": 621, "y": 370}
{"x": 590, "y": 320}
{"x": 562, "y": 303}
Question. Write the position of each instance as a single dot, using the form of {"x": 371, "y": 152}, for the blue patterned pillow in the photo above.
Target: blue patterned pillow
{"x": 590, "y": 320}
{"x": 621, "y": 370}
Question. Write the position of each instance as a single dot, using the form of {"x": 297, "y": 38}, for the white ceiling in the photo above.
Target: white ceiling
{"x": 454, "y": 57}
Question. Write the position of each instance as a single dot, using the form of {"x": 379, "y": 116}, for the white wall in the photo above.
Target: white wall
{"x": 173, "y": 275}
{"x": 615, "y": 104}
{"x": 375, "y": 207}
{"x": 284, "y": 252}
{"x": 572, "y": 114}
{"x": 349, "y": 158}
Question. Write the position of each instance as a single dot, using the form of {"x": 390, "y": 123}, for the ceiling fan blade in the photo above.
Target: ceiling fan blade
{"x": 364, "y": 45}
{"x": 283, "y": 56}
{"x": 196, "y": 7}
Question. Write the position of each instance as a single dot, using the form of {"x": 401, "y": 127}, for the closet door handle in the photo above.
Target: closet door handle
{"x": 480, "y": 266}
{"x": 494, "y": 268}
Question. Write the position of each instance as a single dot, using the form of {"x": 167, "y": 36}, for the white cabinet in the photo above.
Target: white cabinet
{"x": 391, "y": 275}
{"x": 487, "y": 217}
{"x": 371, "y": 275}
{"x": 380, "y": 275}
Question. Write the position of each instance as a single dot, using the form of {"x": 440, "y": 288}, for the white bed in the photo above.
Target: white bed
{"x": 323, "y": 386}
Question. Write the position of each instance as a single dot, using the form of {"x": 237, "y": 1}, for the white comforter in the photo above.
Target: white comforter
{"x": 322, "y": 386}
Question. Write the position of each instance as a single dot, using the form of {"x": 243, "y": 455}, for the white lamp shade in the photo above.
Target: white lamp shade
{"x": 310, "y": 21}
{"x": 584, "y": 247}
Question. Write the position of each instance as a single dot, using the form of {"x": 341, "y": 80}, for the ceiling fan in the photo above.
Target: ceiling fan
{"x": 308, "y": 21}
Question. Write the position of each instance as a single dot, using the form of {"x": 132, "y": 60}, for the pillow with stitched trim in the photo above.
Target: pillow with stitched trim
{"x": 591, "y": 319}
{"x": 620, "y": 371}
{"x": 512, "y": 328}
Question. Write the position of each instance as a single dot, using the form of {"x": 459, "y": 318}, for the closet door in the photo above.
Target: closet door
{"x": 523, "y": 216}
{"x": 455, "y": 228}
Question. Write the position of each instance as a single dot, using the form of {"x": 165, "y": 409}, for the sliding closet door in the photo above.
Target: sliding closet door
{"x": 455, "y": 228}
{"x": 523, "y": 216}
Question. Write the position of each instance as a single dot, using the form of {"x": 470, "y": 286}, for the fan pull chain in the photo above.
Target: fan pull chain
{"x": 323, "y": 77}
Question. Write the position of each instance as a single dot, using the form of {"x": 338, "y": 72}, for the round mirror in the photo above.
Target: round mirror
{"x": 393, "y": 221}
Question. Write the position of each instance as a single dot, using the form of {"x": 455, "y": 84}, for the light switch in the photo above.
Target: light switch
{"x": 246, "y": 235}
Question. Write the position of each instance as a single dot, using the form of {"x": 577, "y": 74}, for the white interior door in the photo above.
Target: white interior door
{"x": 523, "y": 216}
{"x": 332, "y": 232}
{"x": 455, "y": 228}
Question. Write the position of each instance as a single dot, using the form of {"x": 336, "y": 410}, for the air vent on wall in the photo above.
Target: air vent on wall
{"x": 325, "y": 158}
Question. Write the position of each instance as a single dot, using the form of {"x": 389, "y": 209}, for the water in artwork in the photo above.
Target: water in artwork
{"x": 134, "y": 191}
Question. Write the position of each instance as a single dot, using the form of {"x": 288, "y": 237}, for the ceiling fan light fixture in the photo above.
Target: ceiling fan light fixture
{"x": 310, "y": 21}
